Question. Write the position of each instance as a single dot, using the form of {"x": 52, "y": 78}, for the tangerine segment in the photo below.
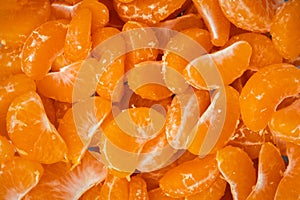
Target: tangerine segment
{"x": 16, "y": 20}
{"x": 78, "y": 39}
{"x": 190, "y": 177}
{"x": 231, "y": 63}
{"x": 60, "y": 182}
{"x": 289, "y": 184}
{"x": 208, "y": 118}
{"x": 284, "y": 123}
{"x": 250, "y": 15}
{"x": 41, "y": 47}
{"x": 93, "y": 193}
{"x": 233, "y": 164}
{"x": 114, "y": 188}
{"x": 31, "y": 131}
{"x": 183, "y": 115}
{"x": 100, "y": 13}
{"x": 158, "y": 194}
{"x": 145, "y": 77}
{"x": 217, "y": 23}
{"x": 270, "y": 169}
{"x": 59, "y": 85}
{"x": 140, "y": 50}
{"x": 10, "y": 88}
{"x": 149, "y": 12}
{"x": 10, "y": 62}
{"x": 18, "y": 177}
{"x": 214, "y": 192}
{"x": 78, "y": 131}
{"x": 287, "y": 42}
{"x": 263, "y": 50}
{"x": 265, "y": 90}
{"x": 7, "y": 151}
{"x": 138, "y": 189}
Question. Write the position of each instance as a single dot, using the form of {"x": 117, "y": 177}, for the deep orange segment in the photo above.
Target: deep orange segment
{"x": 7, "y": 150}
{"x": 41, "y": 48}
{"x": 10, "y": 62}
{"x": 114, "y": 188}
{"x": 138, "y": 189}
{"x": 158, "y": 194}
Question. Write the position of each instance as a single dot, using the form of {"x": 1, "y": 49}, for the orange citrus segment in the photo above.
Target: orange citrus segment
{"x": 217, "y": 23}
{"x": 18, "y": 176}
{"x": 114, "y": 188}
{"x": 7, "y": 150}
{"x": 31, "y": 131}
{"x": 158, "y": 194}
{"x": 138, "y": 189}
{"x": 10, "y": 62}
{"x": 233, "y": 164}
{"x": 190, "y": 177}
{"x": 41, "y": 48}
{"x": 93, "y": 193}
{"x": 265, "y": 90}
{"x": 270, "y": 170}
{"x": 231, "y": 63}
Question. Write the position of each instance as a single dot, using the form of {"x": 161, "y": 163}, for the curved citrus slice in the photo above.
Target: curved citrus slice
{"x": 234, "y": 164}
{"x": 149, "y": 12}
{"x": 41, "y": 48}
{"x": 31, "y": 131}
{"x": 59, "y": 85}
{"x": 208, "y": 118}
{"x": 138, "y": 189}
{"x": 231, "y": 63}
{"x": 250, "y": 15}
{"x": 250, "y": 141}
{"x": 270, "y": 170}
{"x": 217, "y": 23}
{"x": 265, "y": 90}
{"x": 60, "y": 109}
{"x": 7, "y": 150}
{"x": 139, "y": 50}
{"x": 10, "y": 62}
{"x": 284, "y": 123}
{"x": 16, "y": 20}
{"x": 114, "y": 188}
{"x": 183, "y": 115}
{"x": 18, "y": 177}
{"x": 10, "y": 88}
{"x": 78, "y": 38}
{"x": 287, "y": 42}
{"x": 289, "y": 184}
{"x": 100, "y": 14}
{"x": 110, "y": 83}
{"x": 214, "y": 192}
{"x": 190, "y": 177}
{"x": 60, "y": 182}
{"x": 263, "y": 50}
{"x": 93, "y": 193}
{"x": 49, "y": 109}
{"x": 145, "y": 77}
{"x": 158, "y": 194}
{"x": 78, "y": 131}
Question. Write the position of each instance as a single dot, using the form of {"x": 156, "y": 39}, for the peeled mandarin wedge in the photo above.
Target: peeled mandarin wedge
{"x": 59, "y": 85}
{"x": 31, "y": 131}
{"x": 263, "y": 50}
{"x": 217, "y": 23}
{"x": 284, "y": 123}
{"x": 190, "y": 177}
{"x": 79, "y": 125}
{"x": 208, "y": 118}
{"x": 285, "y": 30}
{"x": 231, "y": 63}
{"x": 7, "y": 150}
{"x": 77, "y": 44}
{"x": 138, "y": 189}
{"x": 41, "y": 48}
{"x": 270, "y": 169}
{"x": 114, "y": 188}
{"x": 60, "y": 182}
{"x": 18, "y": 177}
{"x": 93, "y": 193}
{"x": 10, "y": 62}
{"x": 250, "y": 15}
{"x": 214, "y": 192}
{"x": 158, "y": 194}
{"x": 149, "y": 12}
{"x": 11, "y": 88}
{"x": 289, "y": 184}
{"x": 265, "y": 90}
{"x": 17, "y": 22}
{"x": 234, "y": 164}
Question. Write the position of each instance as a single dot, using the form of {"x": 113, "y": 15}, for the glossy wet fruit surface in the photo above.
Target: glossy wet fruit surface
{"x": 149, "y": 100}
